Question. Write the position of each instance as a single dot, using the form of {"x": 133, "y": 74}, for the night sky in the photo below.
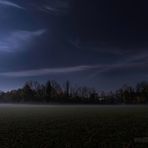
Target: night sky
{"x": 97, "y": 43}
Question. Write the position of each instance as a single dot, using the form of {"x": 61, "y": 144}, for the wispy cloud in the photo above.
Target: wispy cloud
{"x": 56, "y": 7}
{"x": 95, "y": 70}
{"x": 50, "y": 9}
{"x": 75, "y": 43}
{"x": 16, "y": 40}
{"x": 48, "y": 71}
{"x": 10, "y": 4}
{"x": 131, "y": 64}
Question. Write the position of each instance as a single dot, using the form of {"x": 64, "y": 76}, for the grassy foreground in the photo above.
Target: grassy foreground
{"x": 72, "y": 126}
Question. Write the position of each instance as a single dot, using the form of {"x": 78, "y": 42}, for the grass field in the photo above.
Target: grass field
{"x": 72, "y": 126}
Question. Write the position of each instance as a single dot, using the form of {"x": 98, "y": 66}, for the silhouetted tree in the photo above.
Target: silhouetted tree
{"x": 67, "y": 91}
{"x": 27, "y": 93}
{"x": 52, "y": 92}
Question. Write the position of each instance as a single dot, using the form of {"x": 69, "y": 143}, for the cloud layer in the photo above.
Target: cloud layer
{"x": 56, "y": 7}
{"x": 48, "y": 71}
{"x": 10, "y": 4}
{"x": 18, "y": 39}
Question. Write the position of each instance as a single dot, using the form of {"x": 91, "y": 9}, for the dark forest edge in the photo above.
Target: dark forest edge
{"x": 52, "y": 93}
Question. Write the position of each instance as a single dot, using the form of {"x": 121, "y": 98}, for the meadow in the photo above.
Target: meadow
{"x": 43, "y": 126}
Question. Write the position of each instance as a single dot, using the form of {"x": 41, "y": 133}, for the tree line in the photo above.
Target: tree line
{"x": 53, "y": 93}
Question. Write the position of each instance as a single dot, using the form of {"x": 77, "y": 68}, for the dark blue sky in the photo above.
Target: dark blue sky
{"x": 98, "y": 43}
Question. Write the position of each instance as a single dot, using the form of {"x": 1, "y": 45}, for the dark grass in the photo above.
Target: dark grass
{"x": 72, "y": 126}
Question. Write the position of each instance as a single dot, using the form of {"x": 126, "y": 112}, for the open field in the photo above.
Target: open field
{"x": 72, "y": 126}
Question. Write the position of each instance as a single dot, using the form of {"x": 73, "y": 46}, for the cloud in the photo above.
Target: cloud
{"x": 57, "y": 7}
{"x": 18, "y": 39}
{"x": 94, "y": 70}
{"x": 133, "y": 64}
{"x": 75, "y": 43}
{"x": 10, "y": 4}
{"x": 50, "y": 9}
{"x": 48, "y": 71}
